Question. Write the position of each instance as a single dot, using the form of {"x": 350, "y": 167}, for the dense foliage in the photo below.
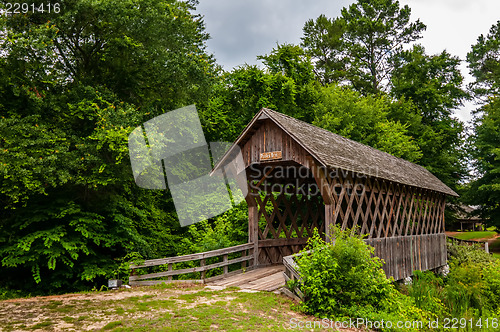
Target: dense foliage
{"x": 72, "y": 88}
{"x": 484, "y": 62}
{"x": 343, "y": 280}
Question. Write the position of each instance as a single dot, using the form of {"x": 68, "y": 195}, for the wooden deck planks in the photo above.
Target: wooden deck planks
{"x": 263, "y": 279}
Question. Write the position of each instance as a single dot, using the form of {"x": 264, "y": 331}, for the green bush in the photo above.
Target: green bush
{"x": 491, "y": 287}
{"x": 464, "y": 284}
{"x": 345, "y": 280}
{"x": 427, "y": 292}
{"x": 460, "y": 254}
{"x": 340, "y": 277}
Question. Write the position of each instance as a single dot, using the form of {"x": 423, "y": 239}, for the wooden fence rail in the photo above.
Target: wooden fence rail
{"x": 246, "y": 251}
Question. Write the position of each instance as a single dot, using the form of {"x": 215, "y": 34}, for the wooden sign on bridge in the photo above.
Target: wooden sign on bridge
{"x": 275, "y": 155}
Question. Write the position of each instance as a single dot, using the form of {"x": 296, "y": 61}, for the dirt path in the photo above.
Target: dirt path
{"x": 180, "y": 307}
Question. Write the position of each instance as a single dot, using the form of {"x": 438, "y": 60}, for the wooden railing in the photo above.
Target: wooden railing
{"x": 202, "y": 268}
{"x": 291, "y": 273}
{"x": 484, "y": 245}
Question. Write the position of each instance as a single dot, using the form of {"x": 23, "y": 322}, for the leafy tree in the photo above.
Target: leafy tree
{"x": 373, "y": 31}
{"x": 73, "y": 86}
{"x": 433, "y": 85}
{"x": 484, "y": 63}
{"x": 485, "y": 190}
{"x": 125, "y": 46}
{"x": 286, "y": 84}
{"x": 366, "y": 120}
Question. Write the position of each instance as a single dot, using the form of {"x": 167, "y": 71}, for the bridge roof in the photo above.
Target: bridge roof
{"x": 335, "y": 151}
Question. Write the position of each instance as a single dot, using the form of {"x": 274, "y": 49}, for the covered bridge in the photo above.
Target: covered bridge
{"x": 302, "y": 177}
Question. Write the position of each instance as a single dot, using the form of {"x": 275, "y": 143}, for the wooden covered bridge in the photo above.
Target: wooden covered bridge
{"x": 301, "y": 177}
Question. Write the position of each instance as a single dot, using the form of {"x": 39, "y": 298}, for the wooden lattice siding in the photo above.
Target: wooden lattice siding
{"x": 291, "y": 221}
{"x": 405, "y": 254}
{"x": 368, "y": 206}
{"x": 383, "y": 209}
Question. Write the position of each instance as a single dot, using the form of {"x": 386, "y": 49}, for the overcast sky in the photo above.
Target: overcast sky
{"x": 241, "y": 30}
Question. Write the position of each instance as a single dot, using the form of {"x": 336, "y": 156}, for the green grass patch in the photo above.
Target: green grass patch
{"x": 41, "y": 325}
{"x": 119, "y": 311}
{"x": 476, "y": 235}
{"x": 112, "y": 325}
{"x": 52, "y": 305}
{"x": 496, "y": 255}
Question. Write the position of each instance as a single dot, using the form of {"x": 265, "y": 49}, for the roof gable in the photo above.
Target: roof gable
{"x": 334, "y": 151}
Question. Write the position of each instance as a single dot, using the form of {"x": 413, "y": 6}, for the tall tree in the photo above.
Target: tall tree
{"x": 73, "y": 85}
{"x": 322, "y": 41}
{"x": 373, "y": 31}
{"x": 484, "y": 63}
{"x": 433, "y": 83}
{"x": 485, "y": 190}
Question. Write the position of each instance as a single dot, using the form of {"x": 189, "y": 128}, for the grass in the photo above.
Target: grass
{"x": 476, "y": 235}
{"x": 496, "y": 255}
{"x": 172, "y": 308}
{"x": 112, "y": 325}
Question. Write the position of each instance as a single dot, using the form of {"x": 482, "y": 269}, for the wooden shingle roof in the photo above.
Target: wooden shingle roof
{"x": 334, "y": 151}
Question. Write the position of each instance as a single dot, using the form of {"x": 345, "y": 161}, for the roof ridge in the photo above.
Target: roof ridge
{"x": 345, "y": 138}
{"x": 413, "y": 174}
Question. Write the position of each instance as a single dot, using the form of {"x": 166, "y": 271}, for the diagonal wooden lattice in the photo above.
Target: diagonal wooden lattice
{"x": 288, "y": 214}
{"x": 381, "y": 209}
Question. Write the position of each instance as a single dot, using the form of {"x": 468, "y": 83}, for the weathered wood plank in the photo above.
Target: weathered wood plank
{"x": 191, "y": 269}
{"x": 405, "y": 254}
{"x": 192, "y": 257}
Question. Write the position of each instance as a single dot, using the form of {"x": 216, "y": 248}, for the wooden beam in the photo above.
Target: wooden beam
{"x": 253, "y": 232}
{"x": 191, "y": 257}
{"x": 321, "y": 181}
{"x": 282, "y": 242}
{"x": 265, "y": 176}
{"x": 329, "y": 211}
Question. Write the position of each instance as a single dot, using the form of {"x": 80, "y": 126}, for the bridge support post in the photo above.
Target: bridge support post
{"x": 253, "y": 231}
{"x": 329, "y": 211}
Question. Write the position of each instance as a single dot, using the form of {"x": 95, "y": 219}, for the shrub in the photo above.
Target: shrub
{"x": 461, "y": 254}
{"x": 337, "y": 278}
{"x": 491, "y": 287}
{"x": 464, "y": 285}
{"x": 345, "y": 280}
{"x": 427, "y": 292}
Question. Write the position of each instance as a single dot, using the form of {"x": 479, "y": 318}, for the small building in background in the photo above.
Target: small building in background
{"x": 468, "y": 219}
